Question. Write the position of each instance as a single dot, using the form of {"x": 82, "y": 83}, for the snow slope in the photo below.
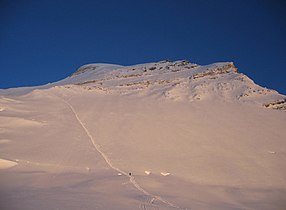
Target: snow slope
{"x": 164, "y": 135}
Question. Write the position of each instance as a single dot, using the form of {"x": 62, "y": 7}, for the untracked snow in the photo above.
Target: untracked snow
{"x": 163, "y": 135}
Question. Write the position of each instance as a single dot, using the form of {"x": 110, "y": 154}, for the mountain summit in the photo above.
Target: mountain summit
{"x": 179, "y": 80}
{"x": 161, "y": 136}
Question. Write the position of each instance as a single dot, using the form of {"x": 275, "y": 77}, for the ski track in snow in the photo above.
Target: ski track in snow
{"x": 107, "y": 160}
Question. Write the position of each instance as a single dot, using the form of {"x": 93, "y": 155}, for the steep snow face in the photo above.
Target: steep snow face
{"x": 89, "y": 71}
{"x": 95, "y": 69}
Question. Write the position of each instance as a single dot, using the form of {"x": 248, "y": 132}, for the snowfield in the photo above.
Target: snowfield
{"x": 165, "y": 135}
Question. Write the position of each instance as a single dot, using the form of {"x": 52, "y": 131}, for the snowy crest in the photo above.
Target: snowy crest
{"x": 167, "y": 80}
{"x": 179, "y": 80}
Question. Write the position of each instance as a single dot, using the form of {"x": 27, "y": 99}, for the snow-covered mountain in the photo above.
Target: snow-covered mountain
{"x": 180, "y": 80}
{"x": 163, "y": 135}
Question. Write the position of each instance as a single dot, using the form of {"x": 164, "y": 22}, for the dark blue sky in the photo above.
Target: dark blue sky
{"x": 44, "y": 41}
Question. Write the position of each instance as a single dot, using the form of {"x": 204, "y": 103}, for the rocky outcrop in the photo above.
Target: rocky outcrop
{"x": 216, "y": 71}
{"x": 279, "y": 104}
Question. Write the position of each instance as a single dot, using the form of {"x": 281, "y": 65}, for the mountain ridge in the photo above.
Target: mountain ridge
{"x": 178, "y": 80}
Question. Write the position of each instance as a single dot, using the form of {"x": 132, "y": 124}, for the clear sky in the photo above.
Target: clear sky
{"x": 43, "y": 41}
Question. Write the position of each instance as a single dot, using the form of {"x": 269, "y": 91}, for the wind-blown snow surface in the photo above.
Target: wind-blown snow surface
{"x": 166, "y": 135}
